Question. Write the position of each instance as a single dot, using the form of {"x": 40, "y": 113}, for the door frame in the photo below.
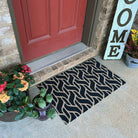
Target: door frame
{"x": 89, "y": 29}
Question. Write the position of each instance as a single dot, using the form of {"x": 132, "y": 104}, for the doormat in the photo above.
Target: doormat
{"x": 79, "y": 88}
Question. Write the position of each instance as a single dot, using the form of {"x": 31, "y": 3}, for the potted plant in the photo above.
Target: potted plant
{"x": 132, "y": 50}
{"x": 43, "y": 105}
{"x": 14, "y": 99}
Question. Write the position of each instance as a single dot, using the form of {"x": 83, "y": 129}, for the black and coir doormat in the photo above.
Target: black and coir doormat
{"x": 79, "y": 88}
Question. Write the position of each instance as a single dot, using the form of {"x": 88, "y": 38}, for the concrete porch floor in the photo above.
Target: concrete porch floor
{"x": 114, "y": 117}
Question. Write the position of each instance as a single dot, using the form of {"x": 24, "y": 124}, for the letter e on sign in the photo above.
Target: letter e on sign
{"x": 122, "y": 23}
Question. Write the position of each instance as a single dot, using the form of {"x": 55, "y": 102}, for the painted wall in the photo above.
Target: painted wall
{"x": 8, "y": 48}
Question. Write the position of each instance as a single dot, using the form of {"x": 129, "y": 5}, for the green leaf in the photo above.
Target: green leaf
{"x": 27, "y": 79}
{"x": 26, "y": 99}
{"x": 26, "y": 108}
{"x": 35, "y": 100}
{"x": 19, "y": 102}
{"x": 17, "y": 81}
{"x": 11, "y": 97}
{"x": 10, "y": 85}
{"x": 16, "y": 91}
{"x": 51, "y": 113}
{"x": 19, "y": 85}
{"x": 41, "y": 103}
{"x": 15, "y": 72}
{"x": 33, "y": 82}
{"x": 20, "y": 116}
{"x": 3, "y": 108}
{"x": 30, "y": 105}
{"x": 15, "y": 98}
{"x": 6, "y": 78}
{"x": 1, "y": 82}
{"x": 22, "y": 94}
{"x": 42, "y": 92}
{"x": 29, "y": 114}
{"x": 49, "y": 98}
{"x": 1, "y": 114}
{"x": 10, "y": 92}
{"x": 35, "y": 114}
{"x": 12, "y": 108}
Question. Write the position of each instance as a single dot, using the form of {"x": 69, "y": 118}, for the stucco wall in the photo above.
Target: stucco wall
{"x": 8, "y": 48}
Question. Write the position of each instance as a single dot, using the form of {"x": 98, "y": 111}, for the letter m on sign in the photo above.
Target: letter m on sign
{"x": 122, "y": 23}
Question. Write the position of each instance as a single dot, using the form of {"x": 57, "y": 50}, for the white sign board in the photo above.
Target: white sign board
{"x": 122, "y": 23}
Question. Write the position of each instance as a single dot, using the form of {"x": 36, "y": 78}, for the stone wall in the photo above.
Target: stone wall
{"x": 135, "y": 24}
{"x": 9, "y": 54}
{"x": 8, "y": 50}
{"x": 105, "y": 24}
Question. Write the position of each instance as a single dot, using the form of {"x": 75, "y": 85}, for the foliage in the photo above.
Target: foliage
{"x": 42, "y": 100}
{"x": 13, "y": 92}
{"x": 51, "y": 113}
{"x": 132, "y": 44}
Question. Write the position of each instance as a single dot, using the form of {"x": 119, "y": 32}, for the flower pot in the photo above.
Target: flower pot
{"x": 42, "y": 112}
{"x": 131, "y": 62}
{"x": 9, "y": 117}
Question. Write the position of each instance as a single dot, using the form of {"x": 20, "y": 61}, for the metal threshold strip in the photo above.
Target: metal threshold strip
{"x": 57, "y": 57}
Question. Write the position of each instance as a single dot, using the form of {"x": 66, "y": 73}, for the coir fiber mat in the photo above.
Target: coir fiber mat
{"x": 79, "y": 88}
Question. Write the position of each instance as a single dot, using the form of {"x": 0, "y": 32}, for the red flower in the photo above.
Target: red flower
{"x": 2, "y": 86}
{"x": 26, "y": 69}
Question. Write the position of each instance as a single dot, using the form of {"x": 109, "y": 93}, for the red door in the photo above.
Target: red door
{"x": 45, "y": 26}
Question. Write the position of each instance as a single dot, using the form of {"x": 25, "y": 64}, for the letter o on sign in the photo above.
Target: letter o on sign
{"x": 129, "y": 2}
{"x": 120, "y": 14}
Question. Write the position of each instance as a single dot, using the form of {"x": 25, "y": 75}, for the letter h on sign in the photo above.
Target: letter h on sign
{"x": 124, "y": 17}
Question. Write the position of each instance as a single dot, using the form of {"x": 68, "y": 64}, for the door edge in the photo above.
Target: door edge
{"x": 91, "y": 21}
{"x": 9, "y": 2}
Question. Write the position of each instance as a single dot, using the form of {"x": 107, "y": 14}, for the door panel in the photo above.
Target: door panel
{"x": 36, "y": 26}
{"x": 39, "y": 25}
{"x": 46, "y": 26}
{"x": 65, "y": 12}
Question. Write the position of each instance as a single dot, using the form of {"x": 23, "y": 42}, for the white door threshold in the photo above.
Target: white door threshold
{"x": 56, "y": 57}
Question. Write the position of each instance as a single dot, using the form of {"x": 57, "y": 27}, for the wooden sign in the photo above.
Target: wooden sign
{"x": 122, "y": 23}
